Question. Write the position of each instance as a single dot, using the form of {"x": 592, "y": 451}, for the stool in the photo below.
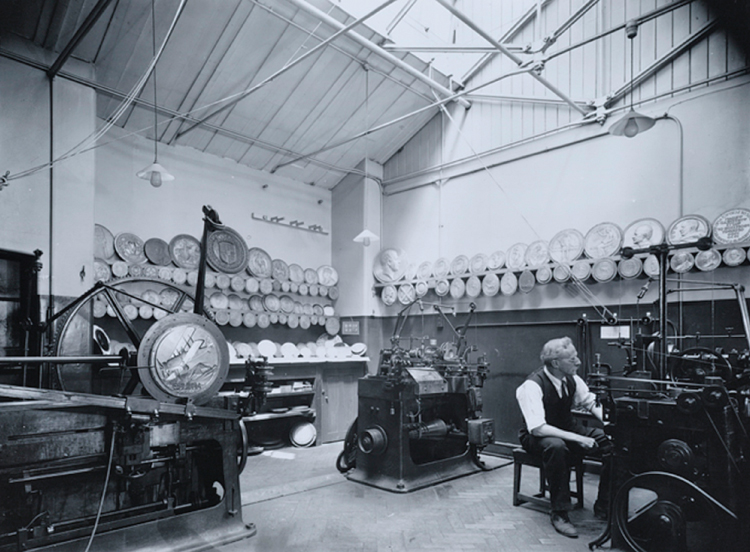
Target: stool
{"x": 520, "y": 458}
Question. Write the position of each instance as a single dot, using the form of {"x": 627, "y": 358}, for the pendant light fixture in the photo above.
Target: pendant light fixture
{"x": 632, "y": 122}
{"x": 155, "y": 173}
{"x": 366, "y": 236}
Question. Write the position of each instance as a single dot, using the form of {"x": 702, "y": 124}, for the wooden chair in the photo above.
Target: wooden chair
{"x": 522, "y": 458}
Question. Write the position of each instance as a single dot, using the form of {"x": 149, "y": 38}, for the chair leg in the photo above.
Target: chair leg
{"x": 579, "y": 483}
{"x": 516, "y": 483}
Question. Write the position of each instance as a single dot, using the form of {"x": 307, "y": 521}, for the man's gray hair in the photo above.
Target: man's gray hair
{"x": 554, "y": 349}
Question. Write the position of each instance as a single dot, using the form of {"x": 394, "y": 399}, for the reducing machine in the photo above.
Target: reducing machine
{"x": 420, "y": 417}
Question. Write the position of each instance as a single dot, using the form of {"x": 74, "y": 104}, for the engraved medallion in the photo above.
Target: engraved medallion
{"x": 543, "y": 274}
{"x": 473, "y": 286}
{"x": 526, "y": 281}
{"x": 279, "y": 270}
{"x": 259, "y": 263}
{"x": 327, "y": 276}
{"x": 130, "y": 248}
{"x": 630, "y": 268}
{"x": 566, "y": 246}
{"x": 390, "y": 265}
{"x": 459, "y": 265}
{"x": 458, "y": 288}
{"x": 707, "y": 260}
{"x": 496, "y": 260}
{"x": 537, "y": 254}
{"x": 424, "y": 270}
{"x": 508, "y": 283}
{"x": 603, "y": 240}
{"x": 104, "y": 243}
{"x": 478, "y": 263}
{"x": 688, "y": 229}
{"x": 296, "y": 273}
{"x": 490, "y": 284}
{"x": 581, "y": 270}
{"x": 682, "y": 262}
{"x": 516, "y": 259}
{"x": 389, "y": 295}
{"x": 730, "y": 227}
{"x": 185, "y": 251}
{"x": 734, "y": 256}
{"x": 604, "y": 270}
{"x": 643, "y": 233}
{"x": 441, "y": 268}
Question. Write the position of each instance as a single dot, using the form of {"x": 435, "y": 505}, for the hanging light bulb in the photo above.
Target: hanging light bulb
{"x": 155, "y": 173}
{"x": 632, "y": 122}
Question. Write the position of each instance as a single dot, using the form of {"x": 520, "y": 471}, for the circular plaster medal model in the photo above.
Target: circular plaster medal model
{"x": 496, "y": 260}
{"x": 441, "y": 268}
{"x": 537, "y": 254}
{"x": 526, "y": 281}
{"x": 442, "y": 287}
{"x": 688, "y": 229}
{"x": 682, "y": 262}
{"x": 651, "y": 266}
{"x": 603, "y": 240}
{"x": 708, "y": 260}
{"x": 184, "y": 356}
{"x": 630, "y": 268}
{"x": 389, "y": 295}
{"x": 643, "y": 233}
{"x": 734, "y": 256}
{"x": 508, "y": 283}
{"x": 424, "y": 271}
{"x": 459, "y": 265}
{"x": 581, "y": 269}
{"x": 279, "y": 270}
{"x": 604, "y": 270}
{"x": 478, "y": 263}
{"x": 473, "y": 286}
{"x": 226, "y": 251}
{"x": 490, "y": 284}
{"x": 406, "y": 294}
{"x": 458, "y": 288}
{"x": 185, "y": 251}
{"x": 104, "y": 243}
{"x": 566, "y": 246}
{"x": 543, "y": 274}
{"x": 389, "y": 265}
{"x": 259, "y": 263}
{"x": 516, "y": 259}
{"x": 130, "y": 248}
{"x": 730, "y": 227}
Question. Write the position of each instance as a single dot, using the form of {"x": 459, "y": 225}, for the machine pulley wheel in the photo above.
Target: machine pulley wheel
{"x": 109, "y": 320}
{"x": 663, "y": 512}
{"x": 714, "y": 396}
{"x": 689, "y": 402}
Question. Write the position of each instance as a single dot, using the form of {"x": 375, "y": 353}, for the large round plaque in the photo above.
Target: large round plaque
{"x": 259, "y": 263}
{"x": 458, "y": 288}
{"x": 604, "y": 270}
{"x": 226, "y": 251}
{"x": 603, "y": 240}
{"x": 496, "y": 260}
{"x": 104, "y": 243}
{"x": 537, "y": 254}
{"x": 688, "y": 229}
{"x": 183, "y": 356}
{"x": 389, "y": 265}
{"x": 730, "y": 227}
{"x": 566, "y": 246}
{"x": 682, "y": 262}
{"x": 473, "y": 286}
{"x": 643, "y": 233}
{"x": 424, "y": 270}
{"x": 516, "y": 258}
{"x": 389, "y": 294}
{"x": 157, "y": 252}
{"x": 459, "y": 265}
{"x": 130, "y": 248}
{"x": 734, "y": 256}
{"x": 508, "y": 283}
{"x": 185, "y": 251}
{"x": 280, "y": 270}
{"x": 478, "y": 263}
{"x": 490, "y": 284}
{"x": 406, "y": 294}
{"x": 441, "y": 268}
{"x": 707, "y": 260}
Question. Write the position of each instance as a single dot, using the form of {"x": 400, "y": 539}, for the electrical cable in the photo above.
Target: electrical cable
{"x": 104, "y": 490}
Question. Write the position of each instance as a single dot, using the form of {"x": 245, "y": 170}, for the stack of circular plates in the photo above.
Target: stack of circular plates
{"x": 473, "y": 286}
{"x": 630, "y": 268}
{"x": 688, "y": 229}
{"x": 604, "y": 270}
{"x": 459, "y": 265}
{"x": 388, "y": 294}
{"x": 496, "y": 260}
{"x": 441, "y": 268}
{"x": 543, "y": 274}
{"x": 508, "y": 283}
{"x": 730, "y": 227}
{"x": 185, "y": 251}
{"x": 226, "y": 251}
{"x": 708, "y": 260}
{"x": 603, "y": 240}
{"x": 490, "y": 284}
{"x": 566, "y": 246}
{"x": 537, "y": 254}
{"x": 682, "y": 262}
{"x": 526, "y": 281}
{"x": 734, "y": 256}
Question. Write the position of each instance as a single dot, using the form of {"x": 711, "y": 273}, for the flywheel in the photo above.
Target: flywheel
{"x": 109, "y": 319}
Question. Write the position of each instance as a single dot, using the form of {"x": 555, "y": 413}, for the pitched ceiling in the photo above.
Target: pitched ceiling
{"x": 214, "y": 86}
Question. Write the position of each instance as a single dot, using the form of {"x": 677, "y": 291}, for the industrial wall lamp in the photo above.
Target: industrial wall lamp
{"x": 632, "y": 122}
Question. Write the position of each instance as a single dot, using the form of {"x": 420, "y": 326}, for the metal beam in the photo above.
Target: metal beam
{"x": 518, "y": 61}
{"x": 452, "y": 49}
{"x": 397, "y": 120}
{"x": 79, "y": 35}
{"x": 362, "y": 41}
{"x": 287, "y": 67}
{"x": 678, "y": 50}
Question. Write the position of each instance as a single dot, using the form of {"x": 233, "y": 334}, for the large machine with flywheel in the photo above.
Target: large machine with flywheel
{"x": 130, "y": 445}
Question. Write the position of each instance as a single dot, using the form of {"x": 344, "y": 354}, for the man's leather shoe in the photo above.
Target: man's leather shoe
{"x": 601, "y": 511}
{"x": 562, "y": 525}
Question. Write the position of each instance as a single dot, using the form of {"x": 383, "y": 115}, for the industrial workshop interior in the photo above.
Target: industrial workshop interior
{"x": 374, "y": 275}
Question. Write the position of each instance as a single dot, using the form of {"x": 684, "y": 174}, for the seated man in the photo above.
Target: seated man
{"x": 551, "y": 431}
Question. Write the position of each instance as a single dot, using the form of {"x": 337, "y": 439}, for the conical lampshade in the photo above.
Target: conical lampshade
{"x": 155, "y": 174}
{"x": 365, "y": 237}
{"x": 631, "y": 124}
